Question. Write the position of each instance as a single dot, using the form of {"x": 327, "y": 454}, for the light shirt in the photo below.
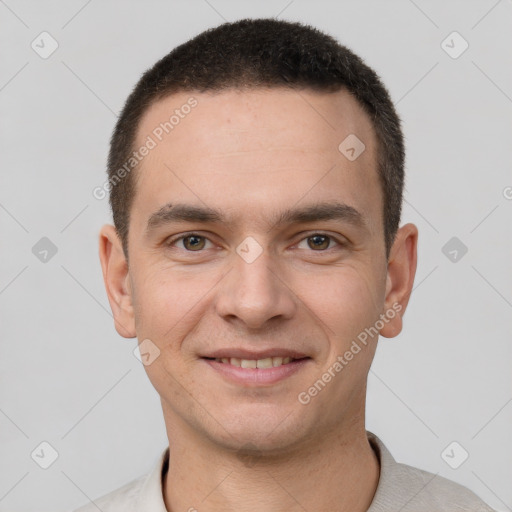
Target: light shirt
{"x": 401, "y": 488}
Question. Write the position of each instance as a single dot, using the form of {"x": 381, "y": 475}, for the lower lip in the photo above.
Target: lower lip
{"x": 257, "y": 376}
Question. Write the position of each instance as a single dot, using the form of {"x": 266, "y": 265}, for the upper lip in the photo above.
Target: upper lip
{"x": 241, "y": 353}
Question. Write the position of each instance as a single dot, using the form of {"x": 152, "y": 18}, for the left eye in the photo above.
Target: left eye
{"x": 318, "y": 242}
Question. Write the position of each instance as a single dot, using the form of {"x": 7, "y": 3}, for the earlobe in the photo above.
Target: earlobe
{"x": 400, "y": 278}
{"x": 116, "y": 279}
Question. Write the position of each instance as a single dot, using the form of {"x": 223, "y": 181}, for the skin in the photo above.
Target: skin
{"x": 252, "y": 155}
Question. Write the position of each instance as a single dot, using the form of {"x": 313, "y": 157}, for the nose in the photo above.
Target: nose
{"x": 255, "y": 293}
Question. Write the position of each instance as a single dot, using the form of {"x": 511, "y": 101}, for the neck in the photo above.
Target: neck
{"x": 338, "y": 472}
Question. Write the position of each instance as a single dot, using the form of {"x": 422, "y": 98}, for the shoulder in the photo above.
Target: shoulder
{"x": 123, "y": 499}
{"x": 143, "y": 494}
{"x": 409, "y": 489}
{"x": 429, "y": 491}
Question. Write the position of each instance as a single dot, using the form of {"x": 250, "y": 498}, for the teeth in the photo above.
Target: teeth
{"x": 264, "y": 363}
{"x": 268, "y": 362}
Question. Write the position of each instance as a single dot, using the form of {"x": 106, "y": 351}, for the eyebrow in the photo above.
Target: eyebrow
{"x": 179, "y": 212}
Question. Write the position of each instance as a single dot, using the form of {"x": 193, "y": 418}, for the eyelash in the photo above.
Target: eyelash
{"x": 172, "y": 241}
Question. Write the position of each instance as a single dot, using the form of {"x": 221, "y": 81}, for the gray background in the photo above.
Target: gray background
{"x": 67, "y": 378}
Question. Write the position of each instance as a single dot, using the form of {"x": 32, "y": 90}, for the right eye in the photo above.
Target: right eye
{"x": 192, "y": 242}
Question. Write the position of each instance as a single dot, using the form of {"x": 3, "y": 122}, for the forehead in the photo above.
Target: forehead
{"x": 257, "y": 150}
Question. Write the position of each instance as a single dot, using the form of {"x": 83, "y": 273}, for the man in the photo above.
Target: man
{"x": 256, "y": 177}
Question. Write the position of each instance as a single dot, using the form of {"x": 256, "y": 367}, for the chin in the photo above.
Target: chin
{"x": 268, "y": 429}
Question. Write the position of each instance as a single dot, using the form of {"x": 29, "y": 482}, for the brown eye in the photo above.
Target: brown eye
{"x": 193, "y": 242}
{"x": 318, "y": 242}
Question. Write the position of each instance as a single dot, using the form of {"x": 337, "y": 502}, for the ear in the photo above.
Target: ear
{"x": 400, "y": 278}
{"x": 117, "y": 281}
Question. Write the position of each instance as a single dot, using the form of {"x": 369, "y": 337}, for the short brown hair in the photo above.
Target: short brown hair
{"x": 261, "y": 53}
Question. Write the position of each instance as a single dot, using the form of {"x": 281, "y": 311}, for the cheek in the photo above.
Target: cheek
{"x": 346, "y": 300}
{"x": 168, "y": 303}
{"x": 166, "y": 309}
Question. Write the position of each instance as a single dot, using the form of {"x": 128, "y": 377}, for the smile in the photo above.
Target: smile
{"x": 268, "y": 362}
{"x": 256, "y": 372}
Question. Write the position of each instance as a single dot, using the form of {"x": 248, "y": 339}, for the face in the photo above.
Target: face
{"x": 256, "y": 259}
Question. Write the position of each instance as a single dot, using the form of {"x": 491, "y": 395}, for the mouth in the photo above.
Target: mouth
{"x": 267, "y": 362}
{"x": 262, "y": 370}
